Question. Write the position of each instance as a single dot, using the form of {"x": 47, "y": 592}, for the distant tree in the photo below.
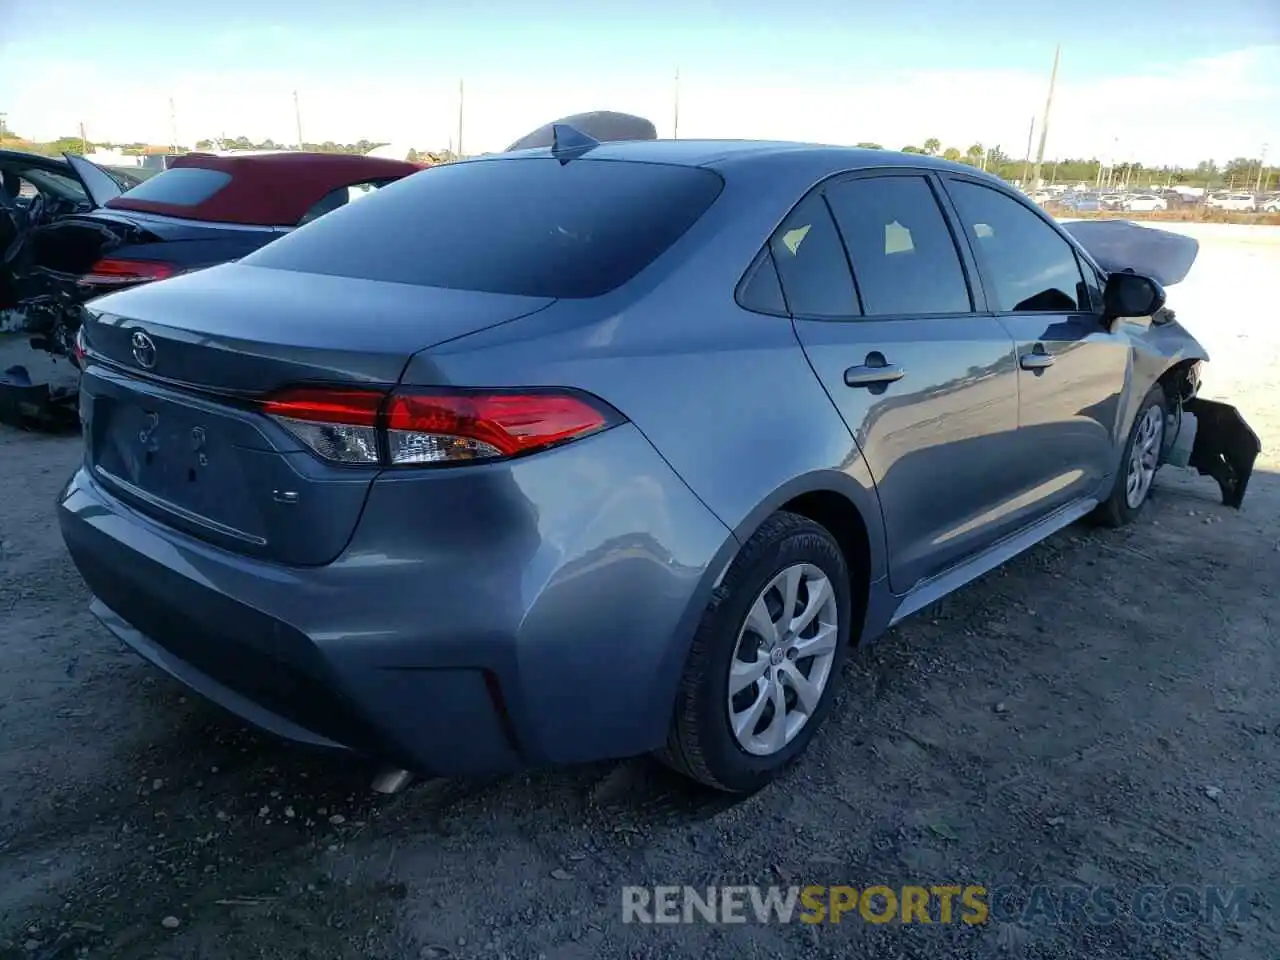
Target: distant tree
{"x": 867, "y": 145}
{"x": 1241, "y": 170}
{"x": 72, "y": 145}
{"x": 974, "y": 154}
{"x": 910, "y": 149}
{"x": 932, "y": 146}
{"x": 204, "y": 144}
{"x": 951, "y": 153}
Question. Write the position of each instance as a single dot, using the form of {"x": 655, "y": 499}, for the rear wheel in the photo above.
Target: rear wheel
{"x": 1141, "y": 461}
{"x": 760, "y": 673}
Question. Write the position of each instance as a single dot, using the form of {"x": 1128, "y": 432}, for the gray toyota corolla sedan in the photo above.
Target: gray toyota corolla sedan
{"x": 602, "y": 449}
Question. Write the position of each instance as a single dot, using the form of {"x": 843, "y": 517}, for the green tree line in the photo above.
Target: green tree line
{"x": 1241, "y": 172}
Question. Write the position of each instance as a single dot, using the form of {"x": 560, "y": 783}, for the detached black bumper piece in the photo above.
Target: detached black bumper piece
{"x": 36, "y": 406}
{"x": 1225, "y": 447}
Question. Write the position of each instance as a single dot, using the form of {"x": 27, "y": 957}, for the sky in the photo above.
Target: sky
{"x": 1160, "y": 81}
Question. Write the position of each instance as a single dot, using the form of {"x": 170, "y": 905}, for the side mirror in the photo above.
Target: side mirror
{"x": 1131, "y": 295}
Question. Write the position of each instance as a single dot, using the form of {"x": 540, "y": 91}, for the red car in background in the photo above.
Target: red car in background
{"x": 203, "y": 210}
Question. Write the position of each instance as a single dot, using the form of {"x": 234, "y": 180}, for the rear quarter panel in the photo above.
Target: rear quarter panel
{"x": 726, "y": 396}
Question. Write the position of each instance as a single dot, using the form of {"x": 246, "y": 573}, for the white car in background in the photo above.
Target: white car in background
{"x": 1234, "y": 201}
{"x": 1145, "y": 203}
{"x": 1271, "y": 205}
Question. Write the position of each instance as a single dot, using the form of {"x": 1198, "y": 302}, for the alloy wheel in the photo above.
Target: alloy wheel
{"x": 1144, "y": 457}
{"x": 782, "y": 660}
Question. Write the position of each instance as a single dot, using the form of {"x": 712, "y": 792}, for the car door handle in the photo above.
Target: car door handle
{"x": 1036, "y": 360}
{"x": 873, "y": 373}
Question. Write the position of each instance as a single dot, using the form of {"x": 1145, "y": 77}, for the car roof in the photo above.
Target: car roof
{"x": 775, "y": 156}
{"x": 270, "y": 189}
{"x": 38, "y": 158}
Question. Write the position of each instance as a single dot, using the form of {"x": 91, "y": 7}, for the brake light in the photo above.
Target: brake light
{"x": 110, "y": 272}
{"x": 423, "y": 427}
{"x": 78, "y": 347}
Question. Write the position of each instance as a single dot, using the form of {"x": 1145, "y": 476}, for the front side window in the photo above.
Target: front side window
{"x": 811, "y": 263}
{"x": 1030, "y": 268}
{"x": 903, "y": 257}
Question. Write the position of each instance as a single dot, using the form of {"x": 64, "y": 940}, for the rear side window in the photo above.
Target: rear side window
{"x": 1032, "y": 268}
{"x": 340, "y": 197}
{"x": 811, "y": 263}
{"x": 760, "y": 290}
{"x": 527, "y": 226}
{"x": 903, "y": 256}
{"x": 181, "y": 186}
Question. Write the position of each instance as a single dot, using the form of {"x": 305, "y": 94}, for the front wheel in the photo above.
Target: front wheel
{"x": 1140, "y": 462}
{"x": 761, "y": 671}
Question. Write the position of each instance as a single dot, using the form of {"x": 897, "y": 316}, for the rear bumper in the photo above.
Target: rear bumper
{"x": 433, "y": 642}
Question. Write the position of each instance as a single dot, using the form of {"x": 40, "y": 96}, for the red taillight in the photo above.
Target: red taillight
{"x": 78, "y": 347}
{"x": 433, "y": 428}
{"x": 115, "y": 272}
{"x": 414, "y": 427}
{"x": 339, "y": 425}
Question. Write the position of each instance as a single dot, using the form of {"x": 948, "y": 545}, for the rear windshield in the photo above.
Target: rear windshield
{"x": 527, "y": 226}
{"x": 180, "y": 187}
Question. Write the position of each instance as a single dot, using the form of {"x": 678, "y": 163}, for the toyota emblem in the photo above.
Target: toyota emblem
{"x": 144, "y": 350}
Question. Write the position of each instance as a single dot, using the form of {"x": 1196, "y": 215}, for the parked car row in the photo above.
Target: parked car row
{"x": 590, "y": 449}
{"x": 1155, "y": 200}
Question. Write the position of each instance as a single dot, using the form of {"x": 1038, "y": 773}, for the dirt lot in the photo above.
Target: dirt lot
{"x": 1105, "y": 711}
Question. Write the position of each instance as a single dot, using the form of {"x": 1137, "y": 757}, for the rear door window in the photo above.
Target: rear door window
{"x": 761, "y": 290}
{"x": 180, "y": 186}
{"x": 904, "y": 258}
{"x": 529, "y": 226}
{"x": 811, "y": 263}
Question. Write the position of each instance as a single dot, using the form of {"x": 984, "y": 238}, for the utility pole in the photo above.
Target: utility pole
{"x": 3, "y": 116}
{"x": 173, "y": 127}
{"x": 297, "y": 118}
{"x": 461, "y": 95}
{"x": 1026, "y": 163}
{"x": 1044, "y": 123}
{"x": 675, "y": 122}
{"x": 84, "y": 139}
{"x": 1257, "y": 187}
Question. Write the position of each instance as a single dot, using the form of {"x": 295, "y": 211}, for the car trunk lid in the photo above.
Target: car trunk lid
{"x": 174, "y": 378}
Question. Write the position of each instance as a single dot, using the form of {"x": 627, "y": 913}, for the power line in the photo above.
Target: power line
{"x": 675, "y": 123}
{"x": 1026, "y": 163}
{"x": 461, "y": 94}
{"x": 1044, "y": 123}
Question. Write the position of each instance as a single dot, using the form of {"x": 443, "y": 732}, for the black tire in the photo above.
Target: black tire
{"x": 701, "y": 743}
{"x": 1115, "y": 511}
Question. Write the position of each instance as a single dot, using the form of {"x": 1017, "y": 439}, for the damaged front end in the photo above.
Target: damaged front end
{"x": 1206, "y": 435}
{"x": 1223, "y": 446}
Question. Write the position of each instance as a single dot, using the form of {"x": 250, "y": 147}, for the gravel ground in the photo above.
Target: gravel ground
{"x": 1102, "y": 712}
